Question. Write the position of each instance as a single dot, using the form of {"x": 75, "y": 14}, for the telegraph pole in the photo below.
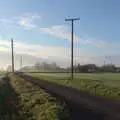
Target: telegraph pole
{"x": 21, "y": 62}
{"x": 12, "y": 56}
{"x": 72, "y": 39}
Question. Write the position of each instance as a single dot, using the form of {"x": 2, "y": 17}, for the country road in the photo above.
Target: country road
{"x": 81, "y": 104}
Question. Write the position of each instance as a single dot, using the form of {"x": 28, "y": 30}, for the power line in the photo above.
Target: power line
{"x": 108, "y": 60}
{"x": 72, "y": 37}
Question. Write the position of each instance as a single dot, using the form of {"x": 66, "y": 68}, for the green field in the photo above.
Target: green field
{"x": 107, "y": 84}
{"x": 109, "y": 79}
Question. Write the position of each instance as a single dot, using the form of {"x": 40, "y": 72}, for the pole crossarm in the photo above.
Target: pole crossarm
{"x": 72, "y": 19}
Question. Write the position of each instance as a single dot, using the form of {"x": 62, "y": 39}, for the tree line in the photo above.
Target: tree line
{"x": 53, "y": 67}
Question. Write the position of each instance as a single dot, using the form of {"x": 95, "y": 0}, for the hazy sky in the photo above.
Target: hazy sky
{"x": 39, "y": 29}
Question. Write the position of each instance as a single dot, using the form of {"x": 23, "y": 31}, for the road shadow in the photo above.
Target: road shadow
{"x": 77, "y": 111}
{"x": 10, "y": 108}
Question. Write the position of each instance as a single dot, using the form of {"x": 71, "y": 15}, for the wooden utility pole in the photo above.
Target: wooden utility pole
{"x": 12, "y": 56}
{"x": 21, "y": 62}
{"x": 72, "y": 39}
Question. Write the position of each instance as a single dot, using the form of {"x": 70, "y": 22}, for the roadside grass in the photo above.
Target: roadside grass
{"x": 103, "y": 84}
{"x": 35, "y": 103}
{"x": 8, "y": 100}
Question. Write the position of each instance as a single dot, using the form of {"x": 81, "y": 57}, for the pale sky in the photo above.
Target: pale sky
{"x": 40, "y": 32}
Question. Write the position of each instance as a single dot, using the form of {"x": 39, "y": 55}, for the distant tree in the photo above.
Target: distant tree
{"x": 1, "y": 69}
{"x": 89, "y": 68}
{"x": 79, "y": 68}
{"x": 37, "y": 65}
{"x": 53, "y": 66}
{"x": 47, "y": 67}
{"x": 9, "y": 68}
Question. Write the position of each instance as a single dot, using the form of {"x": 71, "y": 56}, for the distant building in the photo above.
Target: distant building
{"x": 88, "y": 68}
{"x": 108, "y": 68}
{"x": 91, "y": 68}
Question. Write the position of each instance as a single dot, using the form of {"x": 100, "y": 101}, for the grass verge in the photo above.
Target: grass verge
{"x": 8, "y": 100}
{"x": 36, "y": 104}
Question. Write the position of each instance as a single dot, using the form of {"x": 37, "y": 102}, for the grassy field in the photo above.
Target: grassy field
{"x": 107, "y": 84}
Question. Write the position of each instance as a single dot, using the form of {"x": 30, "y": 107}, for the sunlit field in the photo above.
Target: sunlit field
{"x": 110, "y": 79}
{"x": 107, "y": 84}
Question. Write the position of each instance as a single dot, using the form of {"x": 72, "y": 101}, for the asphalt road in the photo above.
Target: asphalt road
{"x": 81, "y": 105}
